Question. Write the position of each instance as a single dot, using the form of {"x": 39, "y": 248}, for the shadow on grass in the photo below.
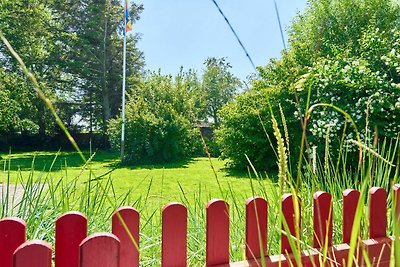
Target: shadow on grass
{"x": 179, "y": 164}
{"x": 43, "y": 161}
{"x": 242, "y": 174}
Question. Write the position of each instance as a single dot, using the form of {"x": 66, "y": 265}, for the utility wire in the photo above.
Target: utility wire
{"x": 280, "y": 25}
{"x": 237, "y": 37}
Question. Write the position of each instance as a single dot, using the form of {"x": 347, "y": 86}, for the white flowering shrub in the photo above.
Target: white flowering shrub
{"x": 344, "y": 53}
{"x": 366, "y": 87}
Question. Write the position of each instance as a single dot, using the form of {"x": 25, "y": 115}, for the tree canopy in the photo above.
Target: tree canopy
{"x": 75, "y": 50}
{"x": 219, "y": 86}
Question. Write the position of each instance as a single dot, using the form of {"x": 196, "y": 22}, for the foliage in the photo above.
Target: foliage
{"x": 328, "y": 28}
{"x": 16, "y": 106}
{"x": 365, "y": 86}
{"x": 159, "y": 121}
{"x": 369, "y": 98}
{"x": 219, "y": 86}
{"x": 341, "y": 52}
{"x": 75, "y": 50}
{"x": 9, "y": 108}
{"x": 246, "y": 128}
{"x": 25, "y": 24}
{"x": 93, "y": 58}
{"x": 36, "y": 45}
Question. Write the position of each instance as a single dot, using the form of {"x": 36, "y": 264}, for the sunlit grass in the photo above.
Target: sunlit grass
{"x": 160, "y": 183}
{"x": 56, "y": 182}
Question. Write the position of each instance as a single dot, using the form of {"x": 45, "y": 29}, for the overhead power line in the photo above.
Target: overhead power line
{"x": 237, "y": 37}
{"x": 280, "y": 25}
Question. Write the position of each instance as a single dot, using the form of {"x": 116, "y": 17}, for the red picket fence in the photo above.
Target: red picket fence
{"x": 74, "y": 248}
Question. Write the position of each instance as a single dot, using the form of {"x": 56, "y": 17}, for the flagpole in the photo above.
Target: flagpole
{"x": 123, "y": 93}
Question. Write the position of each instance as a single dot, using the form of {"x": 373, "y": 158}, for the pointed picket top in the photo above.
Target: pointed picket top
{"x": 33, "y": 253}
{"x": 125, "y": 225}
{"x": 350, "y": 203}
{"x": 174, "y": 235}
{"x": 256, "y": 227}
{"x": 217, "y": 232}
{"x": 12, "y": 235}
{"x": 288, "y": 211}
{"x": 323, "y": 213}
{"x": 377, "y": 212}
{"x": 100, "y": 250}
{"x": 71, "y": 229}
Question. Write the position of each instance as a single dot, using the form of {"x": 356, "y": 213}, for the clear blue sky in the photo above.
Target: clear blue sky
{"x": 185, "y": 32}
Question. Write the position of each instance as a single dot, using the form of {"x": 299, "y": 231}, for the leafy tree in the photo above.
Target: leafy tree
{"x": 342, "y": 52}
{"x": 9, "y": 108}
{"x": 16, "y": 108}
{"x": 159, "y": 120}
{"x": 330, "y": 27}
{"x": 94, "y": 56}
{"x": 196, "y": 100}
{"x": 75, "y": 50}
{"x": 27, "y": 25}
{"x": 219, "y": 86}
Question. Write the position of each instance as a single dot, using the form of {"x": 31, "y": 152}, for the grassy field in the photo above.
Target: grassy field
{"x": 58, "y": 182}
{"x": 158, "y": 183}
{"x": 69, "y": 185}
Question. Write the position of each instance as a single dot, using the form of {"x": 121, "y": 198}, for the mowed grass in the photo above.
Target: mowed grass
{"x": 72, "y": 185}
{"x": 189, "y": 181}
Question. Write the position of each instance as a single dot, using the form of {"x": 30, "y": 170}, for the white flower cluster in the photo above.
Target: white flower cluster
{"x": 365, "y": 94}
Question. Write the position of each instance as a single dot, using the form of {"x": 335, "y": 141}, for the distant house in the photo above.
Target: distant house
{"x": 206, "y": 129}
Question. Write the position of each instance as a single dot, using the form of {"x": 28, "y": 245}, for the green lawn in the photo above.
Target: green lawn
{"x": 147, "y": 188}
{"x": 161, "y": 183}
{"x": 96, "y": 189}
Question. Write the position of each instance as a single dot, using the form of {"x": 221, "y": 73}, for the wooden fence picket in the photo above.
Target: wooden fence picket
{"x": 377, "y": 212}
{"x": 71, "y": 229}
{"x": 350, "y": 202}
{"x": 174, "y": 235}
{"x": 12, "y": 235}
{"x": 74, "y": 249}
{"x": 34, "y": 253}
{"x": 217, "y": 232}
{"x": 378, "y": 246}
{"x": 256, "y": 227}
{"x": 288, "y": 211}
{"x": 125, "y": 231}
{"x": 99, "y": 250}
{"x": 323, "y": 214}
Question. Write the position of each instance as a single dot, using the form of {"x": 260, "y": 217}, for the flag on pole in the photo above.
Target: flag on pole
{"x": 128, "y": 23}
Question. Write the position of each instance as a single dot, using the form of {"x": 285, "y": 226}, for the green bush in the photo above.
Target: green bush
{"x": 159, "y": 125}
{"x": 246, "y": 127}
{"x": 349, "y": 61}
{"x": 366, "y": 96}
{"x": 365, "y": 86}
